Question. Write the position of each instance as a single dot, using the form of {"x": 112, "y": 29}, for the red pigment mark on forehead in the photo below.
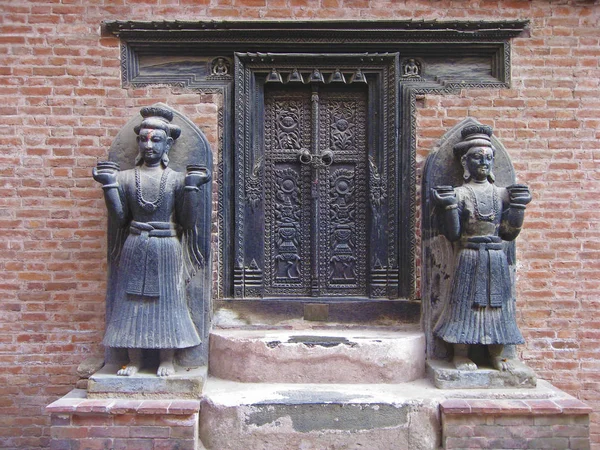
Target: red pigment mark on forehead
{"x": 149, "y": 133}
{"x": 480, "y": 150}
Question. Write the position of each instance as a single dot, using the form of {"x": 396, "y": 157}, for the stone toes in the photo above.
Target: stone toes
{"x": 165, "y": 370}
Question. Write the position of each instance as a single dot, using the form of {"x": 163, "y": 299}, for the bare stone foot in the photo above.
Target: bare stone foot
{"x": 503, "y": 364}
{"x": 166, "y": 366}
{"x": 464, "y": 363}
{"x": 165, "y": 369}
{"x": 135, "y": 363}
{"x": 128, "y": 370}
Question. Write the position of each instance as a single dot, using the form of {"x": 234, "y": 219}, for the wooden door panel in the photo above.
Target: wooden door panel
{"x": 315, "y": 208}
{"x": 343, "y": 206}
{"x": 287, "y": 194}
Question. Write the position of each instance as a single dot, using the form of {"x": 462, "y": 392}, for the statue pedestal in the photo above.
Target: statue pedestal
{"x": 118, "y": 423}
{"x": 556, "y": 421}
{"x": 185, "y": 383}
{"x": 445, "y": 376}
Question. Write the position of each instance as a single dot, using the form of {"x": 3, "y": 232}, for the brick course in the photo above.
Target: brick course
{"x": 123, "y": 424}
{"x": 515, "y": 424}
{"x": 62, "y": 104}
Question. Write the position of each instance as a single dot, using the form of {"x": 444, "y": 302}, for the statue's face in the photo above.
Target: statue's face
{"x": 153, "y": 144}
{"x": 479, "y": 161}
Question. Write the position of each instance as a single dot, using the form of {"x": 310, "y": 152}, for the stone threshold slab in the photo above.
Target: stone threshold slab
{"x": 232, "y": 393}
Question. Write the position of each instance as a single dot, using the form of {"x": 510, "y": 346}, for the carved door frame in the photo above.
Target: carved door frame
{"x": 448, "y": 55}
{"x": 380, "y": 74}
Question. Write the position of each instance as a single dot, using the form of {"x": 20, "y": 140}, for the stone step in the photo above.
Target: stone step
{"x": 319, "y": 416}
{"x": 404, "y": 416}
{"x": 328, "y": 355}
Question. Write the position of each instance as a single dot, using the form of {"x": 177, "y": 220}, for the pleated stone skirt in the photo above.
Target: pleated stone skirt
{"x": 463, "y": 320}
{"x": 151, "y": 322}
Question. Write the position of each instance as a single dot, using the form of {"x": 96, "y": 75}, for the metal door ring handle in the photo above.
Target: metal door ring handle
{"x": 327, "y": 157}
{"x": 305, "y": 157}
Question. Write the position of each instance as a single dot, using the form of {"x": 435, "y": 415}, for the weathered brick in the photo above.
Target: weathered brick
{"x": 550, "y": 443}
{"x": 138, "y": 444}
{"x": 149, "y": 432}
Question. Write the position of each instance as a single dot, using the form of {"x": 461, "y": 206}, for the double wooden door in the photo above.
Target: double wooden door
{"x": 315, "y": 192}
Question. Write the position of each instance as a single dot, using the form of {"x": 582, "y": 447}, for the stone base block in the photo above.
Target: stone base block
{"x": 554, "y": 423}
{"x": 241, "y": 416}
{"x": 314, "y": 417}
{"x": 445, "y": 376}
{"x": 406, "y": 416}
{"x": 318, "y": 355}
{"x": 185, "y": 383}
{"x": 123, "y": 424}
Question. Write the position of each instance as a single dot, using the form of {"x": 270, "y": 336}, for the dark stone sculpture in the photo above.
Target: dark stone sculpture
{"x": 477, "y": 308}
{"x": 156, "y": 215}
{"x": 411, "y": 69}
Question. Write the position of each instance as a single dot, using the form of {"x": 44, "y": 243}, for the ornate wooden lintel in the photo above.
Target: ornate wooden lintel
{"x": 314, "y": 29}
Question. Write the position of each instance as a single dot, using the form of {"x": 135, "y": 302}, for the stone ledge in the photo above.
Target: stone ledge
{"x": 76, "y": 402}
{"x": 514, "y": 407}
{"x": 185, "y": 383}
{"x": 276, "y": 415}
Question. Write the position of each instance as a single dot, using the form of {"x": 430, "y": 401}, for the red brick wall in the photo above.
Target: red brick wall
{"x": 61, "y": 104}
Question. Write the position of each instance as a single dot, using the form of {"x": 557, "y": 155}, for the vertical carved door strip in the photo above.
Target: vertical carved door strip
{"x": 287, "y": 198}
{"x": 316, "y": 189}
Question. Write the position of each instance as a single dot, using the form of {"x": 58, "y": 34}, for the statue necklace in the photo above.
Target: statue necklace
{"x": 146, "y": 205}
{"x": 489, "y": 217}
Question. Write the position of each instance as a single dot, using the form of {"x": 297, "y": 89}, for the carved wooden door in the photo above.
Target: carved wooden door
{"x": 315, "y": 190}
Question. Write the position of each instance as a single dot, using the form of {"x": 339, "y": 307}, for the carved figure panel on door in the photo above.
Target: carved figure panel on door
{"x": 344, "y": 207}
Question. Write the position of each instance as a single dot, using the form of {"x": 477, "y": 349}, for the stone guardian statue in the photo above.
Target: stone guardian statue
{"x": 153, "y": 213}
{"x": 478, "y": 217}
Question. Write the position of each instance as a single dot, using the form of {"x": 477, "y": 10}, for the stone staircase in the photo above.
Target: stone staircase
{"x": 307, "y": 386}
{"x": 319, "y": 388}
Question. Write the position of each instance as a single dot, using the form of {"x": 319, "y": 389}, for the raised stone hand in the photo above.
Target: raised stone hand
{"x": 105, "y": 173}
{"x": 444, "y": 196}
{"x": 196, "y": 176}
{"x": 519, "y": 194}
